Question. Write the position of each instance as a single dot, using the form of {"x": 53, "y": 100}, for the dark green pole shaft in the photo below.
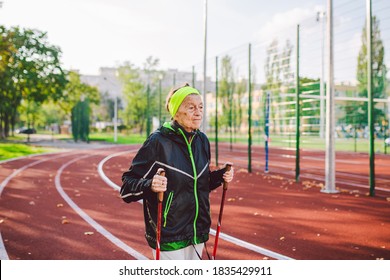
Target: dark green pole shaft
{"x": 147, "y": 111}
{"x": 193, "y": 76}
{"x": 160, "y": 101}
{"x": 297, "y": 115}
{"x": 370, "y": 97}
{"x": 386, "y": 121}
{"x": 249, "y": 109}
{"x": 230, "y": 92}
{"x": 216, "y": 111}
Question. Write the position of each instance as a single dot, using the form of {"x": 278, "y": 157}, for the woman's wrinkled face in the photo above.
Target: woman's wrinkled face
{"x": 190, "y": 113}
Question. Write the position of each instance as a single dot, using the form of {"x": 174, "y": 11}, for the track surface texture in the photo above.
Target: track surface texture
{"x": 58, "y": 206}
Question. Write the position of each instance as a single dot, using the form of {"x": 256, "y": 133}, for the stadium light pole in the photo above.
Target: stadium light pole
{"x": 205, "y": 69}
{"x": 249, "y": 108}
{"x": 330, "y": 154}
{"x": 193, "y": 76}
{"x": 370, "y": 96}
{"x": 216, "y": 111}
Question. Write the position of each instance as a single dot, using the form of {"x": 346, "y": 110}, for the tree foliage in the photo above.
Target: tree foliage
{"x": 134, "y": 95}
{"x": 80, "y": 120}
{"x": 75, "y": 102}
{"x": 359, "y": 112}
{"x": 30, "y": 70}
{"x": 140, "y": 98}
{"x": 226, "y": 90}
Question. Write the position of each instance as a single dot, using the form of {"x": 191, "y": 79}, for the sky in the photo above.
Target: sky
{"x": 106, "y": 33}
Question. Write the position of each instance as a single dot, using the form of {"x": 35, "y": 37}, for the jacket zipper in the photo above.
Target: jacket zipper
{"x": 167, "y": 207}
{"x": 195, "y": 184}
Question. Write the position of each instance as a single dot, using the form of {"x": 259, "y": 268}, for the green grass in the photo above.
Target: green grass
{"x": 13, "y": 150}
{"x": 122, "y": 139}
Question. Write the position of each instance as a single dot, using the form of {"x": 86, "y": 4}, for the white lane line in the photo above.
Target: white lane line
{"x": 223, "y": 236}
{"x": 99, "y": 228}
{"x": 16, "y": 172}
{"x": 104, "y": 176}
{"x": 251, "y": 246}
{"x": 3, "y": 251}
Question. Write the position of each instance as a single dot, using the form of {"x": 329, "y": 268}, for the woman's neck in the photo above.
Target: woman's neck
{"x": 188, "y": 134}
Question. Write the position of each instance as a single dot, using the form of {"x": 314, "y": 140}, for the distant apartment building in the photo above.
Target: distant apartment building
{"x": 107, "y": 82}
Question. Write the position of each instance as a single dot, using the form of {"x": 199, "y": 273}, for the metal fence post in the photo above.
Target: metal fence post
{"x": 297, "y": 114}
{"x": 216, "y": 111}
{"x": 266, "y": 129}
{"x": 370, "y": 96}
{"x": 249, "y": 109}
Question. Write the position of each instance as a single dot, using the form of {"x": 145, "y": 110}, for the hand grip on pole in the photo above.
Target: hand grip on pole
{"x": 160, "y": 195}
{"x": 228, "y": 168}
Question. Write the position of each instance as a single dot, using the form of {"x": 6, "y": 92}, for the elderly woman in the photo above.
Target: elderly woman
{"x": 184, "y": 153}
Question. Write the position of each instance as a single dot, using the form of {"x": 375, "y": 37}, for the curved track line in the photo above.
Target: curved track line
{"x": 3, "y": 251}
{"x": 223, "y": 236}
{"x": 104, "y": 176}
{"x": 16, "y": 172}
{"x": 99, "y": 228}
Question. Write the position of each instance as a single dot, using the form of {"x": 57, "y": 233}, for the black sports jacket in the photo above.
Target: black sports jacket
{"x": 186, "y": 208}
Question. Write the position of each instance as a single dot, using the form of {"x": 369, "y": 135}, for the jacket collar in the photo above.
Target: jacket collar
{"x": 175, "y": 126}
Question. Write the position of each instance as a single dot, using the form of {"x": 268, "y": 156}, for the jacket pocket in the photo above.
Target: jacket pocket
{"x": 167, "y": 207}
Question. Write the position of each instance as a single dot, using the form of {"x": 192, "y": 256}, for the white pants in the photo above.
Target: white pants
{"x": 187, "y": 253}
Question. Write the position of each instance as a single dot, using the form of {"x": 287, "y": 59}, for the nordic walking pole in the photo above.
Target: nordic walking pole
{"x": 225, "y": 187}
{"x": 160, "y": 197}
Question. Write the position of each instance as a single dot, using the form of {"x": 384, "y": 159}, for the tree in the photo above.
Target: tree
{"x": 75, "y": 102}
{"x": 226, "y": 89}
{"x": 133, "y": 91}
{"x": 141, "y": 98}
{"x": 378, "y": 73}
{"x": 241, "y": 89}
{"x": 30, "y": 70}
{"x": 80, "y": 121}
{"x": 75, "y": 91}
{"x": 152, "y": 76}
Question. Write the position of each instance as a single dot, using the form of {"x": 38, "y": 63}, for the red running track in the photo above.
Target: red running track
{"x": 264, "y": 211}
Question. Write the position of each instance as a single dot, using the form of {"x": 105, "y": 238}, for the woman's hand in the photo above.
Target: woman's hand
{"x": 228, "y": 175}
{"x": 159, "y": 183}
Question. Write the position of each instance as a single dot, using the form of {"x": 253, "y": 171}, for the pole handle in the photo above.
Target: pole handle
{"x": 228, "y": 168}
{"x": 160, "y": 195}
